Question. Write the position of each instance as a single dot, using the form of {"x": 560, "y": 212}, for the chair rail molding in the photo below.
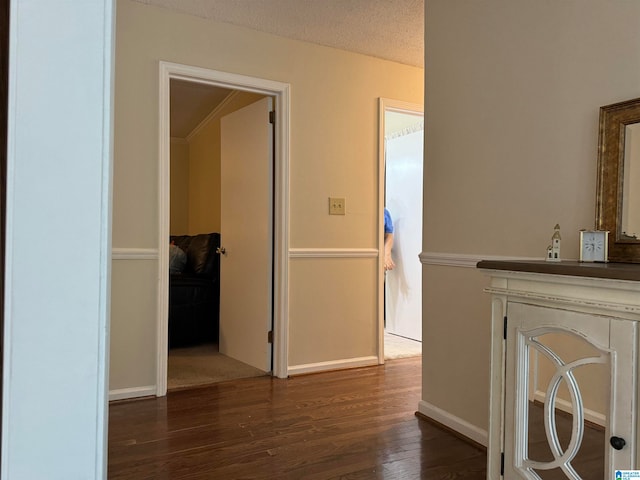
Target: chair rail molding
{"x": 333, "y": 253}
{"x": 134, "y": 254}
{"x": 464, "y": 259}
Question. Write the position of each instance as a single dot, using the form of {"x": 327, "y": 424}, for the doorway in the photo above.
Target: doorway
{"x": 235, "y": 88}
{"x": 211, "y": 161}
{"x": 402, "y": 134}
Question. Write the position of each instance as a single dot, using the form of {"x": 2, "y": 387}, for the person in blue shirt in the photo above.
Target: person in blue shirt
{"x": 388, "y": 241}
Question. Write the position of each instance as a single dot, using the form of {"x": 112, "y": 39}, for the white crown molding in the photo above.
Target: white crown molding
{"x": 333, "y": 253}
{"x": 465, "y": 260}
{"x": 134, "y": 254}
{"x": 213, "y": 114}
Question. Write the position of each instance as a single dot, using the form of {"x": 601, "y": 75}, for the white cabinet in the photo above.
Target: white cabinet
{"x": 564, "y": 349}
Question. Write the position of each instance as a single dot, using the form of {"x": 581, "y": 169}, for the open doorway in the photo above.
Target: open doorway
{"x": 402, "y": 139}
{"x": 202, "y": 195}
{"x": 201, "y": 183}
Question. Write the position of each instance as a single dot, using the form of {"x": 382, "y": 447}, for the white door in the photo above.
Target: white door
{"x": 403, "y": 199}
{"x": 246, "y": 234}
{"x": 533, "y": 448}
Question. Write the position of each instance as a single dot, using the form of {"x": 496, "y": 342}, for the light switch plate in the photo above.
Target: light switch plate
{"x": 336, "y": 206}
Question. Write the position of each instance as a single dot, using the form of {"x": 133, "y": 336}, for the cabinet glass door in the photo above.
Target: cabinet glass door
{"x": 568, "y": 393}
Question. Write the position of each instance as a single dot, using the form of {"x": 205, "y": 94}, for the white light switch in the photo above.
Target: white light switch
{"x": 336, "y": 206}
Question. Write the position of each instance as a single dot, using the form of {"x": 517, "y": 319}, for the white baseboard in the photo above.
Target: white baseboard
{"x": 135, "y": 392}
{"x": 333, "y": 365}
{"x": 454, "y": 423}
{"x": 565, "y": 406}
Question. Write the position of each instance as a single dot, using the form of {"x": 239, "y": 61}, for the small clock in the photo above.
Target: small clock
{"x": 594, "y": 246}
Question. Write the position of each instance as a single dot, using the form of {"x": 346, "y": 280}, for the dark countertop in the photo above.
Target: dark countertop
{"x": 613, "y": 271}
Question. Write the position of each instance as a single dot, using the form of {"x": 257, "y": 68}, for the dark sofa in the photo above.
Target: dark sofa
{"x": 194, "y": 293}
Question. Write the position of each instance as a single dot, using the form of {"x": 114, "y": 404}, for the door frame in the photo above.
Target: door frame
{"x": 281, "y": 93}
{"x": 4, "y": 114}
{"x": 386, "y": 105}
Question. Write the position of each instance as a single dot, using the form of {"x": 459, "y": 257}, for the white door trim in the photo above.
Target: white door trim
{"x": 281, "y": 93}
{"x": 385, "y": 105}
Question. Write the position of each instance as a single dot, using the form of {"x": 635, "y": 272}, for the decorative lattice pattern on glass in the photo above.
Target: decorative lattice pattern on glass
{"x": 552, "y": 423}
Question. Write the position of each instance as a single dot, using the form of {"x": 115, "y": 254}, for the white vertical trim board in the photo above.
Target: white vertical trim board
{"x": 457, "y": 424}
{"x": 56, "y": 348}
{"x": 281, "y": 93}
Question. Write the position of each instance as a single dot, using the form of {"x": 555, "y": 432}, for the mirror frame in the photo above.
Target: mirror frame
{"x": 611, "y": 140}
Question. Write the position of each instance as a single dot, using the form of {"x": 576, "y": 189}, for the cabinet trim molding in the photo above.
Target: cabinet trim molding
{"x": 559, "y": 299}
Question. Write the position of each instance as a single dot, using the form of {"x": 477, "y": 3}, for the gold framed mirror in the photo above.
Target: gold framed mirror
{"x": 618, "y": 186}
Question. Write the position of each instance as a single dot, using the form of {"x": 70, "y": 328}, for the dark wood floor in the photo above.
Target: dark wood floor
{"x": 350, "y": 425}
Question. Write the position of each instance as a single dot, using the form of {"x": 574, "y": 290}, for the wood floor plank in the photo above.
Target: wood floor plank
{"x": 351, "y": 425}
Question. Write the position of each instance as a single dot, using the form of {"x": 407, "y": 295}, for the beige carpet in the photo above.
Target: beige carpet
{"x": 203, "y": 365}
{"x": 396, "y": 346}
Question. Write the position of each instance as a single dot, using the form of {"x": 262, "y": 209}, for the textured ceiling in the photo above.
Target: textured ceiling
{"x": 388, "y": 29}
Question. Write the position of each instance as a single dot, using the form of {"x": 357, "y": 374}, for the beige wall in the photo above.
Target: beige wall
{"x": 333, "y": 152}
{"x": 512, "y": 92}
{"x": 332, "y": 310}
{"x": 179, "y": 187}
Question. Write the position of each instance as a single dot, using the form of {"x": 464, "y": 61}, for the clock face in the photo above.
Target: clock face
{"x": 593, "y": 247}
{"x": 593, "y": 243}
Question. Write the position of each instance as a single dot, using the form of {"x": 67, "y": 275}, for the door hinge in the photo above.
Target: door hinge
{"x": 272, "y": 116}
{"x": 504, "y": 332}
{"x": 270, "y": 336}
{"x": 502, "y": 460}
